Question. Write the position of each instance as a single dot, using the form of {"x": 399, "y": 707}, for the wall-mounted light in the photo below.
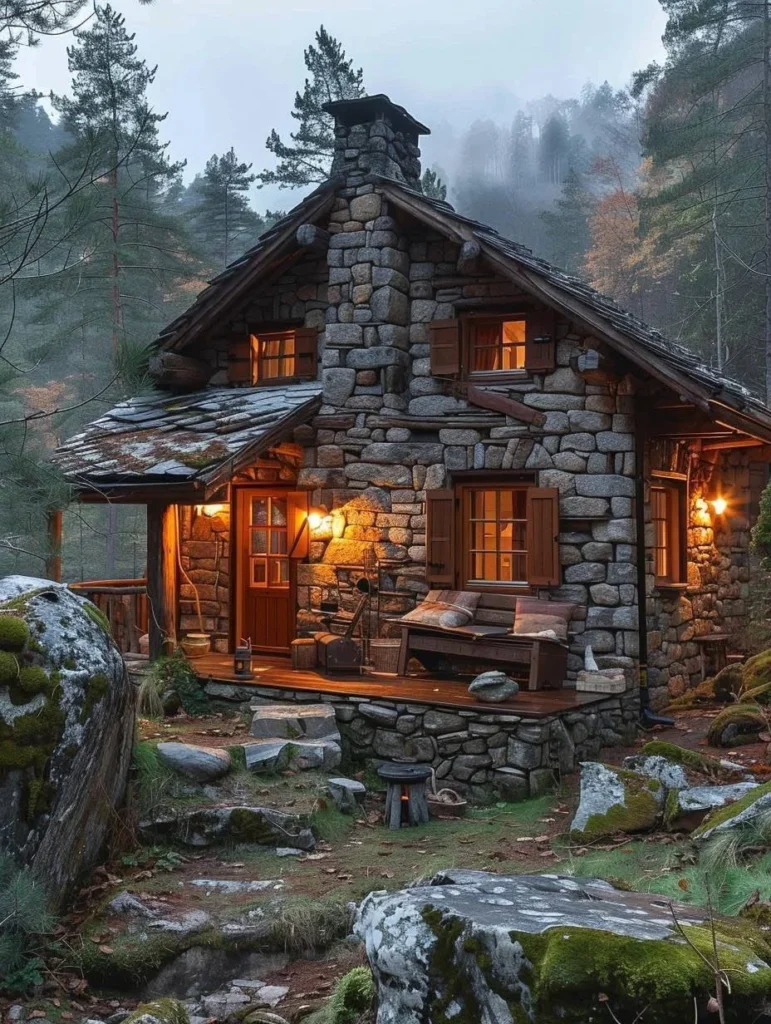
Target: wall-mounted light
{"x": 210, "y": 511}
{"x": 719, "y": 505}
{"x": 316, "y": 517}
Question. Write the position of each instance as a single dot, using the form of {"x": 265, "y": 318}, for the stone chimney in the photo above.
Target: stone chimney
{"x": 375, "y": 136}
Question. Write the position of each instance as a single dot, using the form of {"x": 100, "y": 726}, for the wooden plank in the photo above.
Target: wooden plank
{"x": 496, "y": 402}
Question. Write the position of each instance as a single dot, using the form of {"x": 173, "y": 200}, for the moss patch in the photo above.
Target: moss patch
{"x": 97, "y": 615}
{"x": 167, "y": 1011}
{"x": 756, "y": 670}
{"x": 33, "y": 680}
{"x": 692, "y": 759}
{"x": 14, "y": 633}
{"x": 96, "y": 689}
{"x": 9, "y": 668}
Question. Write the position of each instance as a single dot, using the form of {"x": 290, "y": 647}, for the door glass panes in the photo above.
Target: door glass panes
{"x": 497, "y": 549}
{"x": 268, "y": 542}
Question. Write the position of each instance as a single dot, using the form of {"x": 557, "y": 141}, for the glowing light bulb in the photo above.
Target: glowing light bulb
{"x": 314, "y": 520}
{"x": 719, "y": 505}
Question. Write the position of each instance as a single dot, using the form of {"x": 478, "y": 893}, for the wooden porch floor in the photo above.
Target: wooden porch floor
{"x": 277, "y": 673}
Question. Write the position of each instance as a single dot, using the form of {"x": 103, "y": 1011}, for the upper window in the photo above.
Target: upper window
{"x": 496, "y": 345}
{"x": 669, "y": 519}
{"x": 273, "y": 356}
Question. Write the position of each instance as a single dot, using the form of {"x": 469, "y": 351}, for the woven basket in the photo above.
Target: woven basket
{"x": 385, "y": 655}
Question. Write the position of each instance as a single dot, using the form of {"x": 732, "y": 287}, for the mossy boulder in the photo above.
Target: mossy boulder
{"x": 159, "y": 1011}
{"x": 756, "y": 671}
{"x": 473, "y": 946}
{"x": 616, "y": 800}
{"x": 694, "y": 760}
{"x": 66, "y": 727}
{"x": 741, "y": 813}
{"x": 736, "y": 725}
{"x": 201, "y": 827}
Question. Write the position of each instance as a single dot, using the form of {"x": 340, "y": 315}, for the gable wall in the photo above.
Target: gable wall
{"x": 386, "y": 286}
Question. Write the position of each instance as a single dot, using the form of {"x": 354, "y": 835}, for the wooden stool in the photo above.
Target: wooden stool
{"x": 713, "y": 649}
{"x": 303, "y": 653}
{"x": 406, "y": 796}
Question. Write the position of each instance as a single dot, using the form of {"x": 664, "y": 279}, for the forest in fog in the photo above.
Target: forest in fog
{"x": 654, "y": 194}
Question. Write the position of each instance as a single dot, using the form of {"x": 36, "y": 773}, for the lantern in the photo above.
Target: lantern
{"x": 242, "y": 660}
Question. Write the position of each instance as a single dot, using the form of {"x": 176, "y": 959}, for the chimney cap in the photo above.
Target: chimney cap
{"x": 371, "y": 108}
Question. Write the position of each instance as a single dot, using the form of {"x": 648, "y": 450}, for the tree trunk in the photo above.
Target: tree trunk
{"x": 718, "y": 292}
{"x": 115, "y": 269}
{"x": 767, "y": 129}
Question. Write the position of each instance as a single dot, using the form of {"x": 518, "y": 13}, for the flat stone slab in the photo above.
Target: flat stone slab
{"x": 204, "y": 764}
{"x": 748, "y": 809}
{"x": 294, "y": 722}
{"x": 348, "y": 794}
{"x": 464, "y": 946}
{"x": 299, "y": 755}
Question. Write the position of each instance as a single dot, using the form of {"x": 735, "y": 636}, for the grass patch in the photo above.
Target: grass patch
{"x": 301, "y": 925}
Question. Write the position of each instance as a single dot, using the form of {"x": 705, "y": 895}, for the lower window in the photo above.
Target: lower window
{"x": 669, "y": 508}
{"x": 495, "y": 528}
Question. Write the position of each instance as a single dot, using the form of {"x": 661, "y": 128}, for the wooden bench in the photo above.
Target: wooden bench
{"x": 485, "y": 643}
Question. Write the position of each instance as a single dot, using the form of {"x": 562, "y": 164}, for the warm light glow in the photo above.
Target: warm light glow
{"x": 209, "y": 510}
{"x": 719, "y": 505}
{"x": 317, "y": 517}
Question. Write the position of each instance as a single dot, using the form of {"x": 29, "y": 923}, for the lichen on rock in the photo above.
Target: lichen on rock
{"x": 159, "y": 1011}
{"x": 66, "y": 725}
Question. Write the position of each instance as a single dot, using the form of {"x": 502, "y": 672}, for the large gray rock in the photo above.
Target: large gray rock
{"x": 473, "y": 946}
{"x": 67, "y": 722}
{"x": 654, "y": 766}
{"x": 688, "y": 807}
{"x": 278, "y": 755}
{"x": 348, "y": 794}
{"x": 616, "y": 800}
{"x": 202, "y": 827}
{"x": 493, "y": 687}
{"x": 204, "y": 764}
{"x": 744, "y": 813}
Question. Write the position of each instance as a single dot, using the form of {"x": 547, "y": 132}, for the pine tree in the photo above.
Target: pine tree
{"x": 221, "y": 219}
{"x": 567, "y": 224}
{"x": 554, "y": 150}
{"x": 432, "y": 185}
{"x": 332, "y": 77}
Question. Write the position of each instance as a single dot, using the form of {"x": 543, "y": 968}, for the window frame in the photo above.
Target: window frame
{"x": 256, "y": 336}
{"x": 674, "y": 489}
{"x": 470, "y": 323}
{"x": 485, "y": 480}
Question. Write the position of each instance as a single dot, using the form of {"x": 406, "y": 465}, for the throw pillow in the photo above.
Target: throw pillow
{"x": 445, "y": 608}
{"x": 548, "y": 619}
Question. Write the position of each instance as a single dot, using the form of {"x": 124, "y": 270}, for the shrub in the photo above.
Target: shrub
{"x": 24, "y": 920}
{"x": 354, "y": 995}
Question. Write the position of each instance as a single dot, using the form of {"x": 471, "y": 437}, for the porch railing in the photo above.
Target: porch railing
{"x": 125, "y": 604}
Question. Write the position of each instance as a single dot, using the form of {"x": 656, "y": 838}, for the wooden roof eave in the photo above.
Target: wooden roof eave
{"x": 232, "y": 291}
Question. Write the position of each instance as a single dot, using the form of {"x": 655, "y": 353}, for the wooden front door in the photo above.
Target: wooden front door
{"x": 269, "y": 524}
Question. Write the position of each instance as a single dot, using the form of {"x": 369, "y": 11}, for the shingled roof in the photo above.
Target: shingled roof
{"x": 198, "y": 439}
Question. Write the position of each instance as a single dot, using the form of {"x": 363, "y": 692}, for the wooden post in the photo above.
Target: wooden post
{"x": 162, "y": 576}
{"x": 54, "y": 557}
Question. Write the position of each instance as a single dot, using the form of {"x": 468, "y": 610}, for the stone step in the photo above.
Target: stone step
{"x": 294, "y": 722}
{"x": 273, "y": 755}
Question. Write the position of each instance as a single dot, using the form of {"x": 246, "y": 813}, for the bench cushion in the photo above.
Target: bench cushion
{"x": 548, "y": 619}
{"x": 446, "y": 608}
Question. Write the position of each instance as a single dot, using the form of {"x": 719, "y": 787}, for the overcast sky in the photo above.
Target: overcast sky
{"x": 228, "y": 69}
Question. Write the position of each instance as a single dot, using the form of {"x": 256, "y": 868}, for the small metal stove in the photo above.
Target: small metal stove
{"x": 406, "y": 795}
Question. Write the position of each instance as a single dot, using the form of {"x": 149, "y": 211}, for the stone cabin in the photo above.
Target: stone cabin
{"x": 383, "y": 385}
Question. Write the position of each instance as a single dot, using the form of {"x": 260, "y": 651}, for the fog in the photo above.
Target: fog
{"x": 228, "y": 69}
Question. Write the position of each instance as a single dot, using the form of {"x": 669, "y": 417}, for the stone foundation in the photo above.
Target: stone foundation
{"x": 484, "y": 756}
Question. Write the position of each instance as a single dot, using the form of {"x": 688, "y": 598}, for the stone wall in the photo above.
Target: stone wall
{"x": 484, "y": 756}
{"x": 205, "y": 556}
{"x": 395, "y": 432}
{"x": 718, "y": 575}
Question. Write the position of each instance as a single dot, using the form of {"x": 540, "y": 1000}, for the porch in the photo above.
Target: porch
{"x": 284, "y": 682}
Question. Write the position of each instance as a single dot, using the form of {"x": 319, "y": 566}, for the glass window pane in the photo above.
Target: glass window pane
{"x": 489, "y": 572}
{"x": 279, "y": 571}
{"x": 278, "y": 542}
{"x": 259, "y": 511}
{"x": 520, "y": 503}
{"x": 520, "y": 568}
{"x": 519, "y": 534}
{"x": 514, "y": 332}
{"x": 259, "y": 542}
{"x": 259, "y": 571}
{"x": 278, "y": 512}
{"x": 507, "y": 505}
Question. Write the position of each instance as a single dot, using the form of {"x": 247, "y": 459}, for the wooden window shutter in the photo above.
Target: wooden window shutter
{"x": 306, "y": 341}
{"x": 444, "y": 336}
{"x": 540, "y": 355}
{"x": 298, "y": 539}
{"x": 440, "y": 539}
{"x": 543, "y": 525}
{"x": 240, "y": 360}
